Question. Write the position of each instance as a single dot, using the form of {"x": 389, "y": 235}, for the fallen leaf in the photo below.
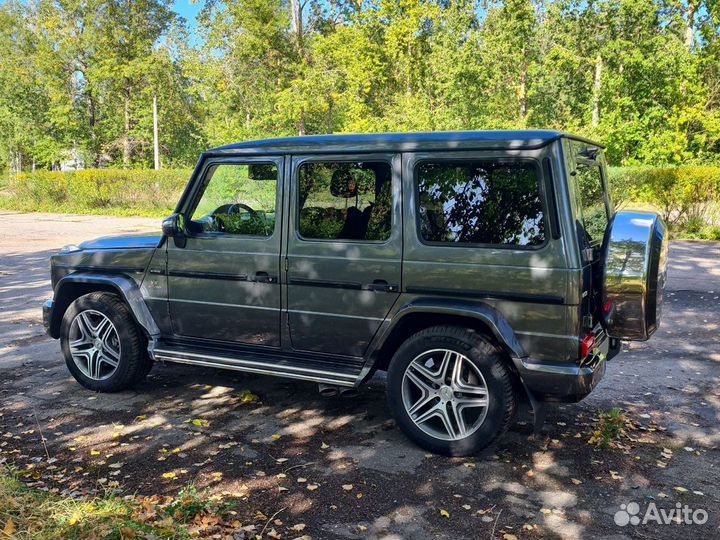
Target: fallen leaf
{"x": 299, "y": 527}
{"x": 347, "y": 487}
{"x": 94, "y": 452}
{"x": 200, "y": 422}
{"x": 680, "y": 489}
{"x": 508, "y": 536}
{"x": 9, "y": 529}
{"x": 246, "y": 396}
{"x": 312, "y": 487}
{"x": 169, "y": 475}
{"x": 324, "y": 446}
{"x": 141, "y": 417}
{"x": 576, "y": 481}
{"x": 276, "y": 436}
{"x": 445, "y": 513}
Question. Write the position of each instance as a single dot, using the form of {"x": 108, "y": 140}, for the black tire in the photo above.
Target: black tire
{"x": 134, "y": 363}
{"x": 484, "y": 356}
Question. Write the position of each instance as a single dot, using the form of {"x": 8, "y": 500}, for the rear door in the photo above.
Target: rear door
{"x": 344, "y": 250}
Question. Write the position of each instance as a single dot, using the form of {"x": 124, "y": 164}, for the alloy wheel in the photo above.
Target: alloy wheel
{"x": 445, "y": 394}
{"x": 94, "y": 345}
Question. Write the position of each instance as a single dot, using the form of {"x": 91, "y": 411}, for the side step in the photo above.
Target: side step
{"x": 328, "y": 372}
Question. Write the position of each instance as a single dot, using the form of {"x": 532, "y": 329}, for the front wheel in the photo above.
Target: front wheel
{"x": 102, "y": 345}
{"x": 450, "y": 390}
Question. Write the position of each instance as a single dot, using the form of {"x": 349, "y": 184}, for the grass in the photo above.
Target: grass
{"x": 33, "y": 514}
{"x": 610, "y": 426}
{"x": 14, "y": 204}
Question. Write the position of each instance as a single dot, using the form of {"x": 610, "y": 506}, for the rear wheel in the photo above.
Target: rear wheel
{"x": 103, "y": 347}
{"x": 450, "y": 390}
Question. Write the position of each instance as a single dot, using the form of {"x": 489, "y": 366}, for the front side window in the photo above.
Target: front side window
{"x": 480, "y": 202}
{"x": 345, "y": 200}
{"x": 238, "y": 198}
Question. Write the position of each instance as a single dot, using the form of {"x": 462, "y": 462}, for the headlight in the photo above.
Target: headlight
{"x": 70, "y": 248}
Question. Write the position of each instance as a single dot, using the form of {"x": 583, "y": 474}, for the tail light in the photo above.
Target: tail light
{"x": 587, "y": 345}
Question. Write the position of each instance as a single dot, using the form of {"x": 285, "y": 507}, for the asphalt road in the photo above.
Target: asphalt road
{"x": 555, "y": 485}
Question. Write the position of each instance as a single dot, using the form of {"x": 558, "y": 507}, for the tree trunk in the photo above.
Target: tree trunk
{"x": 690, "y": 24}
{"x": 296, "y": 7}
{"x": 301, "y": 123}
{"x": 92, "y": 120}
{"x": 156, "y": 140}
{"x": 597, "y": 88}
{"x": 127, "y": 150}
{"x": 522, "y": 94}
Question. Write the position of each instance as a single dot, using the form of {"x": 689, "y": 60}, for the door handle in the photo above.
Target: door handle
{"x": 264, "y": 277}
{"x": 380, "y": 285}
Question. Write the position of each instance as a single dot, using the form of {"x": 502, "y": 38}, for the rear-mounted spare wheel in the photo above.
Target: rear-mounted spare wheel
{"x": 634, "y": 272}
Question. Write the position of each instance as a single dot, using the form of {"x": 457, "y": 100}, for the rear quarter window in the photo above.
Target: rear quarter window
{"x": 480, "y": 202}
{"x": 589, "y": 190}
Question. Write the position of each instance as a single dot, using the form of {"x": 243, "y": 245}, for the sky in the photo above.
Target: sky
{"x": 188, "y": 10}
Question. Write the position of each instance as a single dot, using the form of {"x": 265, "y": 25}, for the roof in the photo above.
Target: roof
{"x": 398, "y": 142}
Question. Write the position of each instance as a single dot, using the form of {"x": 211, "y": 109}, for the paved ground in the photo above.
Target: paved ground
{"x": 271, "y": 454}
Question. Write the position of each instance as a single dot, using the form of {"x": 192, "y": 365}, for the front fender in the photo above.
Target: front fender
{"x": 72, "y": 286}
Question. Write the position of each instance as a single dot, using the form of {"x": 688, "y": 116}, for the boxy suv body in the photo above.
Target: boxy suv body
{"x": 476, "y": 268}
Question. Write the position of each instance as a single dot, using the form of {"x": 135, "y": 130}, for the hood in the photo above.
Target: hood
{"x": 127, "y": 241}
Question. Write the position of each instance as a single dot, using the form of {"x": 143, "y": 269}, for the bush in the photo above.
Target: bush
{"x": 687, "y": 197}
{"x": 141, "y": 192}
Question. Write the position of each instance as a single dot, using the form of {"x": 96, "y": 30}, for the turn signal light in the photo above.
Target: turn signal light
{"x": 587, "y": 345}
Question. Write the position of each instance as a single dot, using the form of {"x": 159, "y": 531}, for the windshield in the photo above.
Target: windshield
{"x": 588, "y": 187}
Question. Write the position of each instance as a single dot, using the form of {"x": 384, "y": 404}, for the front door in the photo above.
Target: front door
{"x": 344, "y": 250}
{"x": 223, "y": 278}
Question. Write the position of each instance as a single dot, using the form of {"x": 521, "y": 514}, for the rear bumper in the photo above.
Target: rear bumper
{"x": 47, "y": 308}
{"x": 559, "y": 382}
{"x": 563, "y": 381}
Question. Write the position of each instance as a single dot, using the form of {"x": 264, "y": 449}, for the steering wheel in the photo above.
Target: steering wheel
{"x": 236, "y": 207}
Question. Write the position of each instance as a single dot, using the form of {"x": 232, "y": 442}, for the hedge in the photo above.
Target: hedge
{"x": 97, "y": 191}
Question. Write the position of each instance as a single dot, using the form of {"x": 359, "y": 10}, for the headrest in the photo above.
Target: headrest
{"x": 343, "y": 183}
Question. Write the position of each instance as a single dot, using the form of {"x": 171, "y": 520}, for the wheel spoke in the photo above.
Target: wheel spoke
{"x": 104, "y": 358}
{"x": 422, "y": 370}
{"x": 104, "y": 329}
{"x": 84, "y": 325}
{"x": 421, "y": 383}
{"x": 447, "y": 422}
{"x": 94, "y": 365}
{"x": 427, "y": 415}
{"x": 75, "y": 345}
{"x": 442, "y": 372}
{"x": 420, "y": 403}
{"x": 456, "y": 412}
{"x": 468, "y": 403}
{"x": 111, "y": 351}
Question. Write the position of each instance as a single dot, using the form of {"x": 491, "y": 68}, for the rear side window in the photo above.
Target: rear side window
{"x": 345, "y": 200}
{"x": 480, "y": 202}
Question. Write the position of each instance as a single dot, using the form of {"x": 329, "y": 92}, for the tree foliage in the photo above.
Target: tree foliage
{"x": 78, "y": 76}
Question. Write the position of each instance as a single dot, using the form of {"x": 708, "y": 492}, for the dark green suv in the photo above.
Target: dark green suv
{"x": 476, "y": 268}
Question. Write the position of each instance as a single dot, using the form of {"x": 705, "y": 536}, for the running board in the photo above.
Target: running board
{"x": 321, "y": 372}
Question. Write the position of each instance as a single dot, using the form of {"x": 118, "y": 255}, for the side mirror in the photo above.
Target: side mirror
{"x": 174, "y": 227}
